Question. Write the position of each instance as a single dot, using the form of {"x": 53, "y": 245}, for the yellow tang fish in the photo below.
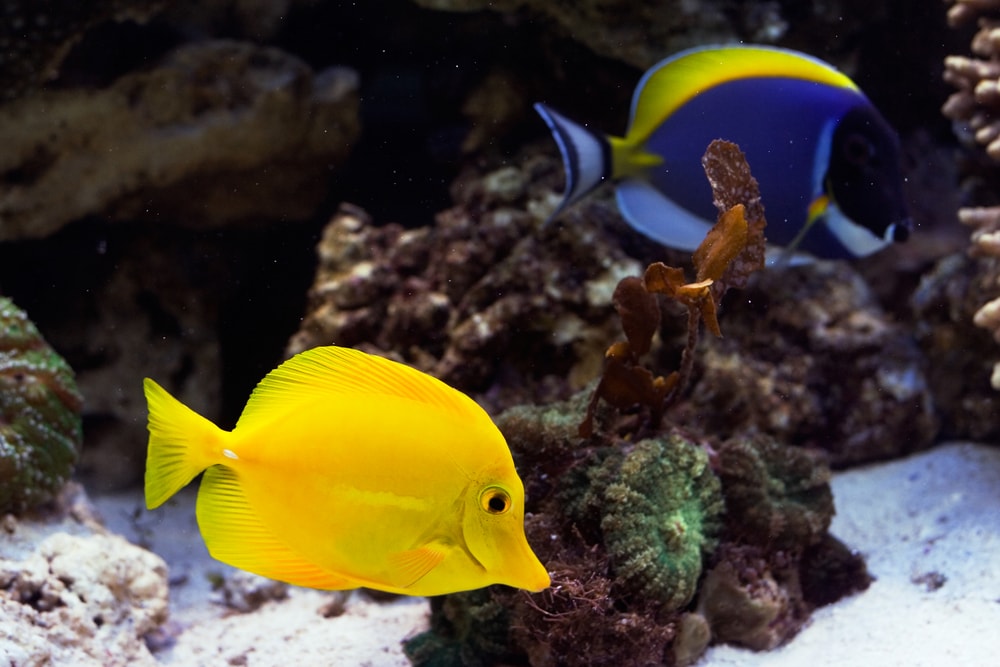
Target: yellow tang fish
{"x": 348, "y": 470}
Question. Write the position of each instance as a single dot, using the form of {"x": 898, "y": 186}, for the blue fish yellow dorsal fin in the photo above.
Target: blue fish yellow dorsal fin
{"x": 674, "y": 81}
{"x": 334, "y": 371}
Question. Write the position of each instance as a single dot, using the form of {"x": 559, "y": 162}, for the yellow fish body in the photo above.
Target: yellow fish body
{"x": 348, "y": 470}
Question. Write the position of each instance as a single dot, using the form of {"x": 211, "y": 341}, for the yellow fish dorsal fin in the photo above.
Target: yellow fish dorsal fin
{"x": 668, "y": 86}
{"x": 234, "y": 535}
{"x": 339, "y": 372}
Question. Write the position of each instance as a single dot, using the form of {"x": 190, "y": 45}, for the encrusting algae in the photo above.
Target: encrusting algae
{"x": 348, "y": 470}
{"x": 40, "y": 426}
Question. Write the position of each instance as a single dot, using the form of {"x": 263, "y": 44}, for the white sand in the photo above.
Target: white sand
{"x": 932, "y": 518}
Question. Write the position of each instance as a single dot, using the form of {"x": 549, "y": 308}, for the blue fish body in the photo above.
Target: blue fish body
{"x": 826, "y": 161}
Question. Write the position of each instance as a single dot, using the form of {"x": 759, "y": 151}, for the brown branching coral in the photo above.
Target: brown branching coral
{"x": 976, "y": 104}
{"x": 732, "y": 250}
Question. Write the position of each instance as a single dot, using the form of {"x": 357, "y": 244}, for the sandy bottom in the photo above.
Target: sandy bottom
{"x": 929, "y": 527}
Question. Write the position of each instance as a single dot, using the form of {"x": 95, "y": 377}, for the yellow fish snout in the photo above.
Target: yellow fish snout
{"x": 524, "y": 570}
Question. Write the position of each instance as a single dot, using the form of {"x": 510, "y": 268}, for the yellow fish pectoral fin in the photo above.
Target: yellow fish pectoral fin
{"x": 234, "y": 535}
{"x": 408, "y": 567}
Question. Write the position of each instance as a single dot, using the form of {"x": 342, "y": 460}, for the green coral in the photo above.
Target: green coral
{"x": 776, "y": 495}
{"x": 40, "y": 427}
{"x": 661, "y": 516}
{"x": 468, "y": 629}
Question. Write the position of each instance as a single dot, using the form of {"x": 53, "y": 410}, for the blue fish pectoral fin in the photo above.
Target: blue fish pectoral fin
{"x": 586, "y": 155}
{"x": 235, "y": 535}
{"x": 408, "y": 567}
{"x": 657, "y": 216}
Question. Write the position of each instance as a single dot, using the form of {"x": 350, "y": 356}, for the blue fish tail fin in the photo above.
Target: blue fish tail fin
{"x": 586, "y": 155}
{"x": 181, "y": 443}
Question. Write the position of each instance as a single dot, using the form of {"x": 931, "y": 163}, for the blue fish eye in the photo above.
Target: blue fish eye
{"x": 859, "y": 150}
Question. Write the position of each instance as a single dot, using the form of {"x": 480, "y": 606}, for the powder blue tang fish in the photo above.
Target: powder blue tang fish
{"x": 826, "y": 160}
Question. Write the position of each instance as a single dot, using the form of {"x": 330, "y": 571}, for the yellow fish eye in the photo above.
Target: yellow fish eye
{"x": 494, "y": 500}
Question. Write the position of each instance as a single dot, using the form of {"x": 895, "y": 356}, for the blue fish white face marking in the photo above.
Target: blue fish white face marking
{"x": 826, "y": 161}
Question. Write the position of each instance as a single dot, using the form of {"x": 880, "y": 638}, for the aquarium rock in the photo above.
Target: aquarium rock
{"x": 643, "y": 33}
{"x": 810, "y": 358}
{"x": 71, "y": 593}
{"x": 219, "y": 131}
{"x": 961, "y": 356}
{"x": 36, "y": 36}
{"x": 483, "y": 299}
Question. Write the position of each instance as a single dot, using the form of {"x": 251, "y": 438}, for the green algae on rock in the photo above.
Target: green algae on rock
{"x": 40, "y": 428}
{"x": 776, "y": 495}
{"x": 661, "y": 517}
{"x": 623, "y": 528}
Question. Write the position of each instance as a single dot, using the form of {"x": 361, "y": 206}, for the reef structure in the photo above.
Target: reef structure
{"x": 40, "y": 427}
{"x": 655, "y": 548}
{"x": 487, "y": 299}
{"x": 71, "y": 593}
{"x": 642, "y": 34}
{"x": 513, "y": 311}
{"x": 974, "y": 289}
{"x": 218, "y": 132}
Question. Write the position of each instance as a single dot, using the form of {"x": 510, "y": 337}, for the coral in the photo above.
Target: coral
{"x": 467, "y": 629}
{"x": 72, "y": 593}
{"x": 828, "y": 571}
{"x": 661, "y": 517}
{"x": 812, "y": 360}
{"x": 977, "y": 99}
{"x": 220, "y": 131}
{"x": 776, "y": 496}
{"x": 747, "y": 602}
{"x": 693, "y": 636}
{"x": 484, "y": 298}
{"x": 761, "y": 599}
{"x": 960, "y": 357}
{"x": 37, "y": 35}
{"x": 623, "y": 530}
{"x": 631, "y": 532}
{"x": 975, "y": 108}
{"x": 40, "y": 430}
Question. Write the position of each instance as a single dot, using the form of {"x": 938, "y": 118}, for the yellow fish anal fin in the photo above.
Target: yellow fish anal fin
{"x": 408, "y": 567}
{"x": 339, "y": 372}
{"x": 234, "y": 535}
{"x": 180, "y": 444}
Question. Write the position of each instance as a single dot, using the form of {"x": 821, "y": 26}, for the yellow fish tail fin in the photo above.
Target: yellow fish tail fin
{"x": 180, "y": 444}
{"x": 234, "y": 534}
